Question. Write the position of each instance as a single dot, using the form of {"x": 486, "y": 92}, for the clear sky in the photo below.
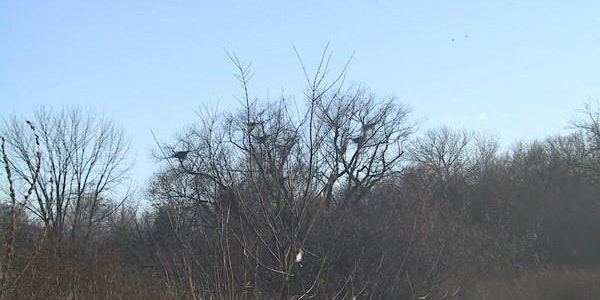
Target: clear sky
{"x": 516, "y": 69}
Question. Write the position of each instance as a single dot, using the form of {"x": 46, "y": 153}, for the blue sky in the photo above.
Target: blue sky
{"x": 515, "y": 69}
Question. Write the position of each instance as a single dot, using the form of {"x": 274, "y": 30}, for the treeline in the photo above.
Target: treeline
{"x": 342, "y": 201}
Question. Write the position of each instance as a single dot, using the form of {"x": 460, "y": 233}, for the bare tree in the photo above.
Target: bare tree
{"x": 81, "y": 179}
{"x": 10, "y": 272}
{"x": 590, "y": 124}
{"x": 361, "y": 141}
{"x": 589, "y": 127}
{"x": 443, "y": 151}
{"x": 263, "y": 178}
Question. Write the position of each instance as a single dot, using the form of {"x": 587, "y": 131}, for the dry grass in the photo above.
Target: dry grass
{"x": 567, "y": 283}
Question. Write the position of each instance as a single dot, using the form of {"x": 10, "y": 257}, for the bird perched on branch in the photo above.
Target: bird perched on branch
{"x": 368, "y": 126}
{"x": 359, "y": 139}
{"x": 262, "y": 138}
{"x": 181, "y": 155}
{"x": 299, "y": 255}
{"x": 253, "y": 124}
{"x": 344, "y": 147}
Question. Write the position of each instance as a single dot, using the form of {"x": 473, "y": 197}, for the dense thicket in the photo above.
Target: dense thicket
{"x": 343, "y": 201}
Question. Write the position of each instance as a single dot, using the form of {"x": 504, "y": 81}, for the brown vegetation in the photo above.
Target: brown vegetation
{"x": 343, "y": 201}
